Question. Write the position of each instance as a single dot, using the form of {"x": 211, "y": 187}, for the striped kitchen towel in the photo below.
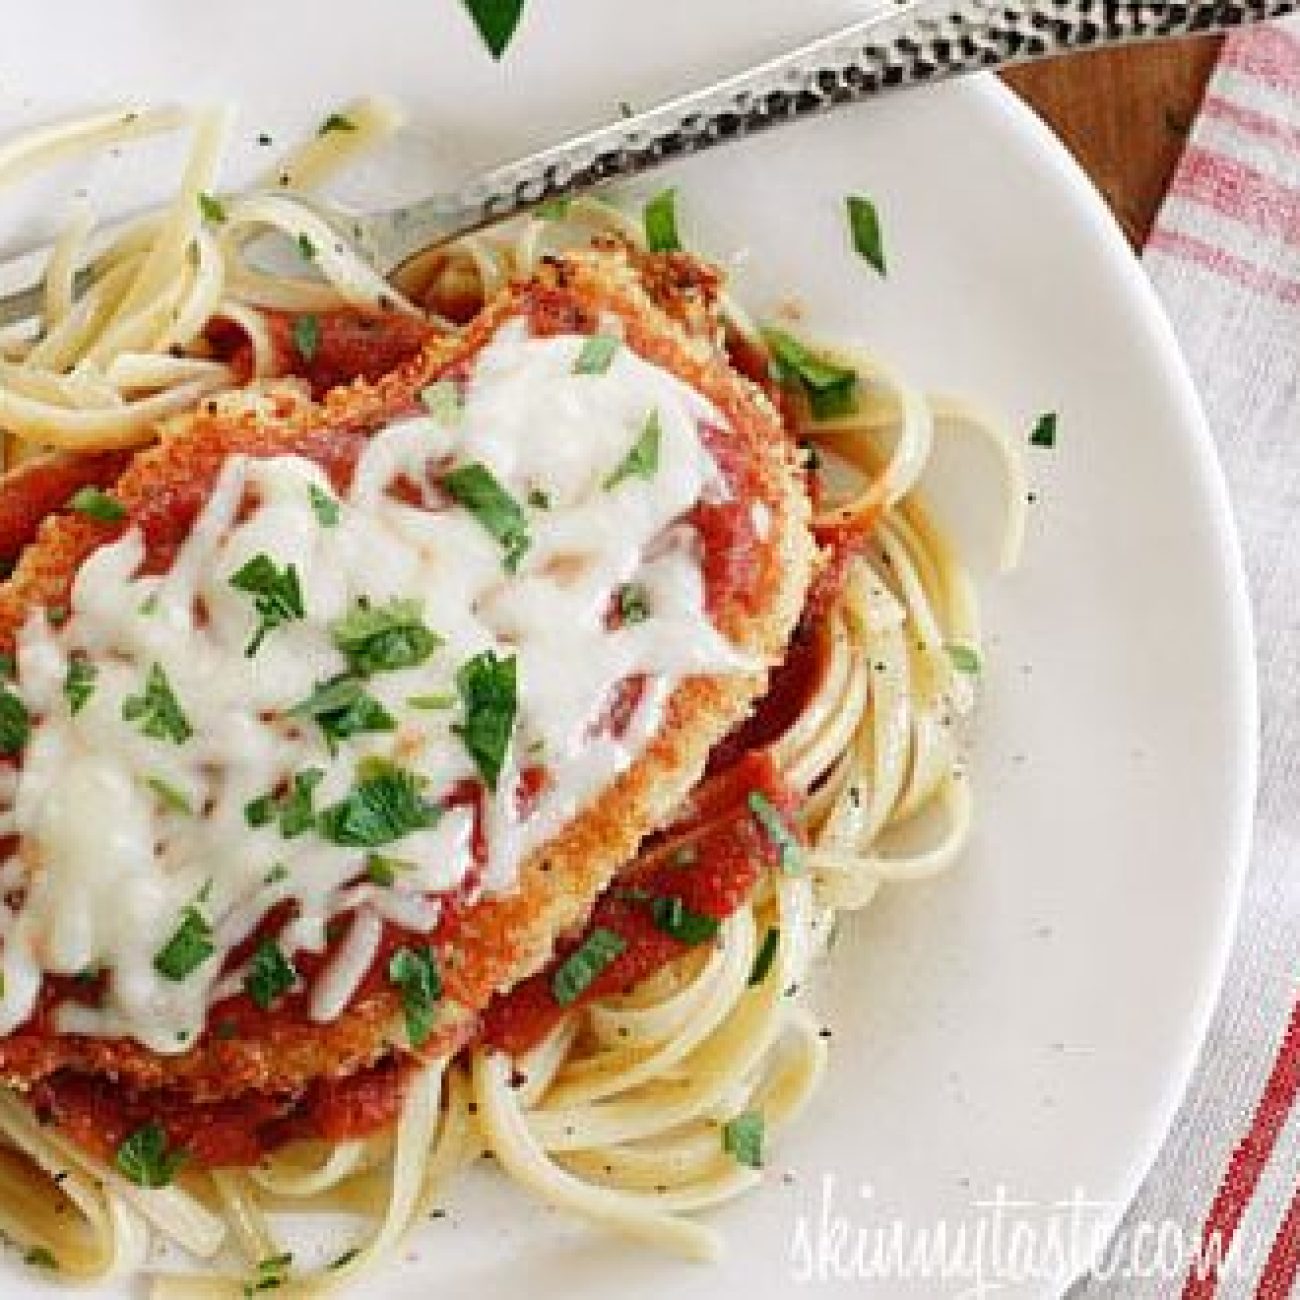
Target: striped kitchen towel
{"x": 1225, "y": 258}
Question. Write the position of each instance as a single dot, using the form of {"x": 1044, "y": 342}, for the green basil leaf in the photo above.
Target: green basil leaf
{"x": 385, "y": 804}
{"x": 79, "y": 684}
{"x": 276, "y": 592}
{"x": 496, "y": 21}
{"x": 489, "y": 690}
{"x": 660, "y": 218}
{"x": 145, "y": 1159}
{"x": 864, "y": 226}
{"x": 643, "y": 460}
{"x": 188, "y": 948}
{"x": 742, "y": 1139}
{"x": 157, "y": 711}
{"x": 474, "y": 487}
{"x": 97, "y": 504}
{"x": 341, "y": 708}
{"x": 415, "y": 972}
{"x": 384, "y": 638}
{"x": 270, "y": 974}
{"x": 577, "y": 972}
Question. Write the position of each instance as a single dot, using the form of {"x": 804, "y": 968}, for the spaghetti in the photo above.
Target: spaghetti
{"x": 635, "y": 1112}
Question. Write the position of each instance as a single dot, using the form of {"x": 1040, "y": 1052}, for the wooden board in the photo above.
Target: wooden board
{"x": 1125, "y": 114}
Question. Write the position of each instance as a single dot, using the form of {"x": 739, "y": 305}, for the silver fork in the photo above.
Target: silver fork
{"x": 905, "y": 43}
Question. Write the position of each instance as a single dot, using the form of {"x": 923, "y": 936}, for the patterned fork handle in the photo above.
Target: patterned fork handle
{"x": 905, "y": 43}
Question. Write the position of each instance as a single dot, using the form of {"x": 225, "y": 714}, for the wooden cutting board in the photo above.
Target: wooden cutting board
{"x": 1125, "y": 114}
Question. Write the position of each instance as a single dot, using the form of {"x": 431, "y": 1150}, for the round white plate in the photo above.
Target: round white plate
{"x": 1019, "y": 1031}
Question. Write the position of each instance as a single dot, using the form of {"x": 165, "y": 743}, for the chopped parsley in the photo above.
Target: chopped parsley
{"x": 766, "y": 956}
{"x": 643, "y": 460}
{"x": 145, "y": 1159}
{"x": 157, "y": 710}
{"x": 576, "y": 973}
{"x": 597, "y": 355}
{"x": 496, "y": 21}
{"x": 682, "y": 923}
{"x": 864, "y": 226}
{"x": 475, "y": 487}
{"x": 443, "y": 400}
{"x": 660, "y": 217}
{"x": 188, "y": 948}
{"x": 212, "y": 209}
{"x": 553, "y": 209}
{"x": 831, "y": 389}
{"x": 385, "y": 804}
{"x": 384, "y": 638}
{"x": 306, "y": 336}
{"x": 336, "y": 122}
{"x": 306, "y": 249}
{"x": 277, "y": 595}
{"x": 294, "y": 809}
{"x": 97, "y": 504}
{"x": 773, "y": 825}
{"x": 41, "y": 1257}
{"x": 79, "y": 683}
{"x": 488, "y": 688}
{"x": 382, "y": 870}
{"x": 15, "y": 724}
{"x": 633, "y": 604}
{"x": 170, "y": 796}
{"x": 1043, "y": 433}
{"x": 324, "y": 506}
{"x": 436, "y": 700}
{"x": 272, "y": 1274}
{"x": 742, "y": 1138}
{"x": 415, "y": 972}
{"x": 342, "y": 707}
{"x": 270, "y": 974}
{"x": 964, "y": 658}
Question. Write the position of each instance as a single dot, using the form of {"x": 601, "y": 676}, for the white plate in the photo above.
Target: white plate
{"x": 1027, "y": 1023}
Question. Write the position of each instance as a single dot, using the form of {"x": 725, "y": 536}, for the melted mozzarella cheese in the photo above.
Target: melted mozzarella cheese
{"x": 121, "y": 832}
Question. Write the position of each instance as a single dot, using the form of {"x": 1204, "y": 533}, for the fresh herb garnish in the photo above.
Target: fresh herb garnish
{"x": 488, "y": 688}
{"x": 1043, "y": 433}
{"x": 585, "y": 963}
{"x": 170, "y": 796}
{"x": 385, "y": 804}
{"x": 643, "y": 460}
{"x": 964, "y": 658}
{"x": 306, "y": 249}
{"x": 597, "y": 355}
{"x": 41, "y": 1257}
{"x": 538, "y": 499}
{"x": 674, "y": 918}
{"x": 742, "y": 1139}
{"x": 336, "y": 122}
{"x": 443, "y": 400}
{"x": 773, "y": 825}
{"x": 342, "y": 707}
{"x": 437, "y": 700}
{"x": 278, "y": 873}
{"x": 145, "y": 1158}
{"x": 15, "y": 724}
{"x": 633, "y": 603}
{"x": 294, "y": 809}
{"x": 382, "y": 870}
{"x": 270, "y": 974}
{"x": 343, "y": 1260}
{"x": 553, "y": 209}
{"x": 475, "y": 487}
{"x": 864, "y": 226}
{"x": 766, "y": 956}
{"x": 496, "y": 21}
{"x": 79, "y": 683}
{"x": 831, "y": 389}
{"x": 188, "y": 948}
{"x": 157, "y": 710}
{"x": 306, "y": 336}
{"x": 415, "y": 972}
{"x": 384, "y": 638}
{"x": 212, "y": 209}
{"x": 277, "y": 595}
{"x": 97, "y": 504}
{"x": 272, "y": 1274}
{"x": 324, "y": 506}
{"x": 660, "y": 218}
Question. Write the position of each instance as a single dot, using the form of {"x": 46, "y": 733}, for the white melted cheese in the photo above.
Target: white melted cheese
{"x": 105, "y": 868}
